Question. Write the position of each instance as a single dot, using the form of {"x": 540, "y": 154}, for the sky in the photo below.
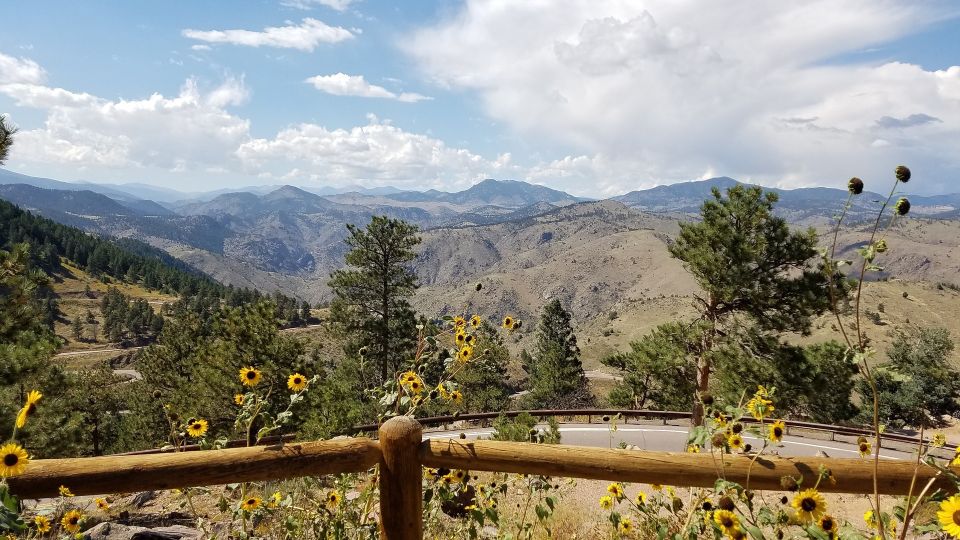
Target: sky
{"x": 594, "y": 97}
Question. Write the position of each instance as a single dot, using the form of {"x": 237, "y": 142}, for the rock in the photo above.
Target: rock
{"x": 143, "y": 498}
{"x": 116, "y": 531}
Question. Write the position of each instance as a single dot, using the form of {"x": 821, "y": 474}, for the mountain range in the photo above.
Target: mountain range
{"x": 545, "y": 242}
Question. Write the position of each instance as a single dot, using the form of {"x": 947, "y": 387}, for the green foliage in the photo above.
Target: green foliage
{"x": 7, "y": 131}
{"x": 748, "y": 261}
{"x": 660, "y": 369}
{"x": 800, "y": 375}
{"x": 371, "y": 305}
{"x": 556, "y": 373}
{"x": 523, "y": 428}
{"x": 919, "y": 386}
{"x": 125, "y": 319}
{"x": 195, "y": 363}
{"x": 26, "y": 338}
{"x": 484, "y": 383}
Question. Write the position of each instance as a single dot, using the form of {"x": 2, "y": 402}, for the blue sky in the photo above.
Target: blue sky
{"x": 595, "y": 97}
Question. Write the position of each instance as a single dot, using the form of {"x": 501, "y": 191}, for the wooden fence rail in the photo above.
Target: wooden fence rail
{"x": 401, "y": 453}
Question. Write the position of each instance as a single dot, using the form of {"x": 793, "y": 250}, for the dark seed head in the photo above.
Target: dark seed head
{"x": 479, "y": 286}
{"x": 737, "y": 428}
{"x": 902, "y": 207}
{"x": 855, "y": 186}
{"x": 726, "y": 503}
{"x": 707, "y": 399}
{"x": 903, "y": 174}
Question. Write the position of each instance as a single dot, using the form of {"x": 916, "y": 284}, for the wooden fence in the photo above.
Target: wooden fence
{"x": 401, "y": 453}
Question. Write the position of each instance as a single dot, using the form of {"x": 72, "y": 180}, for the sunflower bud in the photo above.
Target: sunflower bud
{"x": 707, "y": 399}
{"x": 737, "y": 428}
{"x": 855, "y": 186}
{"x": 788, "y": 483}
{"x": 719, "y": 440}
{"x": 156, "y": 394}
{"x": 881, "y": 246}
{"x": 902, "y": 207}
{"x": 903, "y": 174}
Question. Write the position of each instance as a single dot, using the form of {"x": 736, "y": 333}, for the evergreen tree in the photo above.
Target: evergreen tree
{"x": 371, "y": 305}
{"x": 77, "y": 328}
{"x": 919, "y": 386}
{"x": 484, "y": 382}
{"x": 6, "y": 138}
{"x": 748, "y": 262}
{"x": 556, "y": 373}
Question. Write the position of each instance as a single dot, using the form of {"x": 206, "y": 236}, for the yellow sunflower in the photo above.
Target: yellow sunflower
{"x": 939, "y": 439}
{"x": 693, "y": 448}
{"x": 509, "y": 322}
{"x": 102, "y": 504}
{"x": 296, "y": 382}
{"x": 949, "y": 516}
{"x": 238, "y": 399}
{"x": 250, "y": 376}
{"x": 869, "y": 519}
{"x": 616, "y": 490}
{"x": 65, "y": 491}
{"x": 15, "y": 460}
{"x": 726, "y": 520}
{"x": 735, "y": 441}
{"x": 640, "y": 499}
{"x": 625, "y": 526}
{"x": 606, "y": 502}
{"x": 456, "y": 396}
{"x": 197, "y": 428}
{"x": 956, "y": 457}
{"x": 250, "y": 504}
{"x": 333, "y": 499}
{"x": 71, "y": 520}
{"x": 828, "y": 524}
{"x": 465, "y": 354}
{"x": 864, "y": 448}
{"x": 471, "y": 340}
{"x": 459, "y": 322}
{"x": 475, "y": 321}
{"x": 809, "y": 505}
{"x": 29, "y": 408}
{"x": 777, "y": 429}
{"x": 460, "y": 338}
{"x": 42, "y": 524}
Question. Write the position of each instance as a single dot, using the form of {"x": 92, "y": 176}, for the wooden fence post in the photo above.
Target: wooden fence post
{"x": 401, "y": 480}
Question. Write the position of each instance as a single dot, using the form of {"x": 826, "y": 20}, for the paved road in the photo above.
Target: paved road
{"x": 674, "y": 439}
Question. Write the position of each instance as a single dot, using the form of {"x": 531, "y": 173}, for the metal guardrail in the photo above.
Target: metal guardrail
{"x": 650, "y": 414}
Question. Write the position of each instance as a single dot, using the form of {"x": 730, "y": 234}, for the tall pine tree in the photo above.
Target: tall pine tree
{"x": 371, "y": 303}
{"x": 748, "y": 262}
{"x": 556, "y": 373}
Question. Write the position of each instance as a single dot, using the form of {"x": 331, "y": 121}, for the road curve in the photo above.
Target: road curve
{"x": 674, "y": 439}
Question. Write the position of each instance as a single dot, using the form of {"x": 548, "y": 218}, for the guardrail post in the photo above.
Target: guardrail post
{"x": 401, "y": 480}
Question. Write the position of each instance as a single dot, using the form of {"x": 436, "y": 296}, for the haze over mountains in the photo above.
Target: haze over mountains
{"x": 529, "y": 242}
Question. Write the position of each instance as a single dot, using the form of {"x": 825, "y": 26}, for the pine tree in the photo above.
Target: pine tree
{"x": 556, "y": 373}
{"x": 6, "y": 138}
{"x": 77, "y": 328}
{"x": 371, "y": 303}
{"x": 748, "y": 262}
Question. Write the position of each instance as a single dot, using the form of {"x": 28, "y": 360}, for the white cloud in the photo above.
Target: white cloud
{"x": 189, "y": 131}
{"x": 339, "y": 5}
{"x": 20, "y": 70}
{"x": 375, "y": 154}
{"x": 200, "y": 47}
{"x": 306, "y": 36}
{"x": 341, "y": 84}
{"x": 660, "y": 90}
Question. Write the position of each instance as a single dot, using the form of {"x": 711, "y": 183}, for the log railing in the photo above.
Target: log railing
{"x": 401, "y": 453}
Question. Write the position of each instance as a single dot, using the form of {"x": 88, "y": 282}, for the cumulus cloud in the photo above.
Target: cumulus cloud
{"x": 20, "y": 70}
{"x": 189, "y": 131}
{"x": 339, "y": 5}
{"x": 659, "y": 90}
{"x": 306, "y": 36}
{"x": 376, "y": 154}
{"x": 341, "y": 84}
{"x": 194, "y": 134}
